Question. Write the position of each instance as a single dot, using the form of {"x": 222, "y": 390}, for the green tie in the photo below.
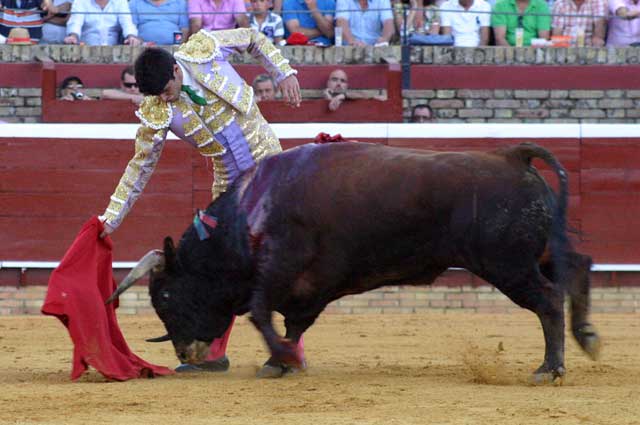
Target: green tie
{"x": 194, "y": 96}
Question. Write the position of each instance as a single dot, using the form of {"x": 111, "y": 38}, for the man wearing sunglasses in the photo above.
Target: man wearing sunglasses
{"x": 128, "y": 88}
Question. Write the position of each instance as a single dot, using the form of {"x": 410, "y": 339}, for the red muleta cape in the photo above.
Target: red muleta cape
{"x": 77, "y": 290}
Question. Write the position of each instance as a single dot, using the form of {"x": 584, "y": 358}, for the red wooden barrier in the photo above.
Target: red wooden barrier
{"x": 49, "y": 187}
{"x": 311, "y": 110}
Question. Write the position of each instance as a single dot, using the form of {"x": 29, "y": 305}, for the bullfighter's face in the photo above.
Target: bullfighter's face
{"x": 191, "y": 313}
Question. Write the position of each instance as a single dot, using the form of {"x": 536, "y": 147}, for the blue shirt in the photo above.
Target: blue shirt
{"x": 159, "y": 28}
{"x": 365, "y": 25}
{"x": 289, "y": 8}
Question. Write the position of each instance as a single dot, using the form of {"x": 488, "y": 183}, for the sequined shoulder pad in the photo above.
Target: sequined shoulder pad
{"x": 155, "y": 113}
{"x": 202, "y": 47}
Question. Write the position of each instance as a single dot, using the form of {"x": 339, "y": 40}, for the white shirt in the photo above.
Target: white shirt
{"x": 465, "y": 24}
{"x": 101, "y": 27}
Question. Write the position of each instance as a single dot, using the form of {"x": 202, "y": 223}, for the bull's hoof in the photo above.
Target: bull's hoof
{"x": 278, "y": 371}
{"x": 218, "y": 365}
{"x": 544, "y": 376}
{"x": 589, "y": 340}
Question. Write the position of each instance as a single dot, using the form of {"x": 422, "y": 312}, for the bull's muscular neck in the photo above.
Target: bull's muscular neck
{"x": 224, "y": 258}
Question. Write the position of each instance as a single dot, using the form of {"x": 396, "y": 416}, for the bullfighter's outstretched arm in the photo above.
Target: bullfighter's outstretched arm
{"x": 254, "y": 42}
{"x": 148, "y": 146}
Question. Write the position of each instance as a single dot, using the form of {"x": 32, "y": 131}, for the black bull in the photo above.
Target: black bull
{"x": 319, "y": 222}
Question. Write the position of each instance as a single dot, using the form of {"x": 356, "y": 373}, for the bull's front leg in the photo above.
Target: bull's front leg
{"x": 283, "y": 351}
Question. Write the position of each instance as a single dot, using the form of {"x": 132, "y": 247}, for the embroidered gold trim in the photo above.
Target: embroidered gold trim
{"x": 155, "y": 113}
{"x": 202, "y": 47}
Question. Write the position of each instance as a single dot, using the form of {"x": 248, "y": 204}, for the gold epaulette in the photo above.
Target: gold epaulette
{"x": 202, "y": 47}
{"x": 155, "y": 113}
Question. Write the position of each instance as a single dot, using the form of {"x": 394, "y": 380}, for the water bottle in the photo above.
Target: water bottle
{"x": 338, "y": 35}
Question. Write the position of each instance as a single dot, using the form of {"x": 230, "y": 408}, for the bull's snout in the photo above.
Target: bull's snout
{"x": 194, "y": 353}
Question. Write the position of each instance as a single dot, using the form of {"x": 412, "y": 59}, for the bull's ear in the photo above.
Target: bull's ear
{"x": 169, "y": 254}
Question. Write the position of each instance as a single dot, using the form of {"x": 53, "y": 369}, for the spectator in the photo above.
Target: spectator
{"x": 337, "y": 90}
{"x": 72, "y": 89}
{"x": 365, "y": 22}
{"x": 624, "y": 25}
{"x": 159, "y": 21}
{"x": 468, "y": 21}
{"x": 422, "y": 17}
{"x": 265, "y": 21}
{"x": 205, "y": 14}
{"x": 592, "y": 24}
{"x": 313, "y": 18}
{"x": 128, "y": 88}
{"x": 422, "y": 113}
{"x": 23, "y": 14}
{"x": 101, "y": 23}
{"x": 264, "y": 87}
{"x": 530, "y": 15}
{"x": 54, "y": 28}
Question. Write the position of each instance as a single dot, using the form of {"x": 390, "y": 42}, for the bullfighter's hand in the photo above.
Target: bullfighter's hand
{"x": 107, "y": 231}
{"x": 291, "y": 90}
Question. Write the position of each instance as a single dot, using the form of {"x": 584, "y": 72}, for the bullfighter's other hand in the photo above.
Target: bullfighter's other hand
{"x": 107, "y": 230}
{"x": 291, "y": 90}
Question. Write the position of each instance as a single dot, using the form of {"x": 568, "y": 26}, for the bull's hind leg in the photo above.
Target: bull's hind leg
{"x": 579, "y": 287}
{"x": 531, "y": 290}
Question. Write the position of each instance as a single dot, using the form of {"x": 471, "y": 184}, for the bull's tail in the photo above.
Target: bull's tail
{"x": 559, "y": 242}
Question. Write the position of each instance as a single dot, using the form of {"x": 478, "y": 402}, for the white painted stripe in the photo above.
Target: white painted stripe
{"x": 352, "y": 131}
{"x": 25, "y": 265}
{"x": 54, "y": 264}
{"x": 348, "y": 131}
{"x": 482, "y": 131}
{"x": 611, "y": 130}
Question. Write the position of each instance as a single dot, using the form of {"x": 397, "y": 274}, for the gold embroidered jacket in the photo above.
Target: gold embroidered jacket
{"x": 230, "y": 125}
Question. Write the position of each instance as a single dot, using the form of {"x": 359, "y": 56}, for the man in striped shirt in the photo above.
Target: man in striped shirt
{"x": 23, "y": 14}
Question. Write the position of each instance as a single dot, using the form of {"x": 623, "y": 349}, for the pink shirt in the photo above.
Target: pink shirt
{"x": 623, "y": 32}
{"x": 214, "y": 21}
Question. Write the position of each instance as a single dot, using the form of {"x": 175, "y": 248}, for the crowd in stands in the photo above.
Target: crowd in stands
{"x": 466, "y": 23}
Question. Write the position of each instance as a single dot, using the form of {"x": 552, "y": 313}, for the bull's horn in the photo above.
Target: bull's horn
{"x": 162, "y": 338}
{"x": 150, "y": 260}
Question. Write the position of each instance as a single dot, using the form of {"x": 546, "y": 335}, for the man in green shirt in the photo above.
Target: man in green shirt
{"x": 531, "y": 15}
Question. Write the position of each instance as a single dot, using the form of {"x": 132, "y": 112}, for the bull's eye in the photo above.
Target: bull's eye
{"x": 165, "y": 295}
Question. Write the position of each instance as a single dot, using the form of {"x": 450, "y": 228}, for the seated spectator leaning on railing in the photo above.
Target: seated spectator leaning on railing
{"x": 365, "y": 22}
{"x": 23, "y": 14}
{"x": 101, "y": 22}
{"x": 337, "y": 90}
{"x": 624, "y": 24}
{"x": 264, "y": 88}
{"x": 267, "y": 22}
{"x": 468, "y": 21}
{"x": 128, "y": 88}
{"x": 207, "y": 14}
{"x": 313, "y": 18}
{"x": 592, "y": 24}
{"x": 54, "y": 29}
{"x": 531, "y": 15}
{"x": 162, "y": 22}
{"x": 72, "y": 89}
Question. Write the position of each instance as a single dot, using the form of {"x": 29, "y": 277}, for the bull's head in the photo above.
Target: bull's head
{"x": 191, "y": 312}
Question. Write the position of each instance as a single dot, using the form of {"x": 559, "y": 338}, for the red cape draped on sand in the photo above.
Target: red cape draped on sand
{"x": 77, "y": 290}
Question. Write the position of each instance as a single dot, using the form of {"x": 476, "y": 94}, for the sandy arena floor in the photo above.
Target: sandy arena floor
{"x": 408, "y": 369}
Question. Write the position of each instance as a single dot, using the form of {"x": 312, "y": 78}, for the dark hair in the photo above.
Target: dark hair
{"x": 154, "y": 69}
{"x": 65, "y": 83}
{"x": 420, "y": 106}
{"x": 127, "y": 71}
